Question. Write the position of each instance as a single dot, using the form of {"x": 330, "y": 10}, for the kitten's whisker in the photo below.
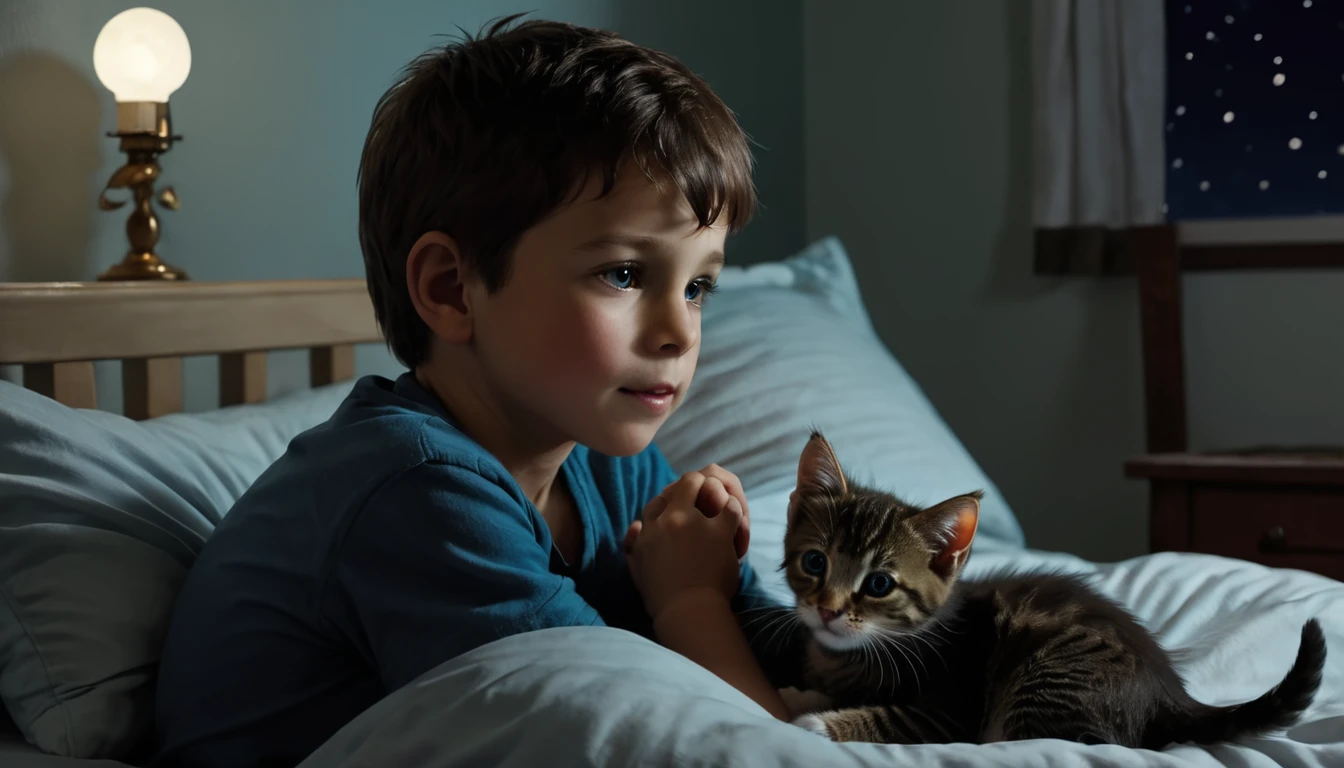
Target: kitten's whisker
{"x": 779, "y": 624}
{"x": 870, "y": 641}
{"x": 919, "y": 684}
{"x": 938, "y": 653}
{"x": 895, "y": 668}
{"x": 766, "y": 613}
{"x": 931, "y": 645}
{"x": 918, "y": 657}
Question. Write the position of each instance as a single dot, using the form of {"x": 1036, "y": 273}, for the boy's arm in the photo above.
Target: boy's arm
{"x": 439, "y": 561}
{"x": 702, "y": 627}
{"x": 776, "y": 636}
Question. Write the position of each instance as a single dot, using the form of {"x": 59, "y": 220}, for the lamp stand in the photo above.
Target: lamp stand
{"x": 145, "y": 132}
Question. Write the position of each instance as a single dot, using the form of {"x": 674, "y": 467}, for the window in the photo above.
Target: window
{"x": 1255, "y": 108}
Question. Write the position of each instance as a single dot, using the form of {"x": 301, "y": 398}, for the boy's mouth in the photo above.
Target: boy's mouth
{"x": 657, "y": 398}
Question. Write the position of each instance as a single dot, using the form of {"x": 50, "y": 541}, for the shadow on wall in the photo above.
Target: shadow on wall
{"x": 49, "y": 140}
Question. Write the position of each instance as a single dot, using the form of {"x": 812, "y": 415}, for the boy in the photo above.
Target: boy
{"x": 542, "y": 212}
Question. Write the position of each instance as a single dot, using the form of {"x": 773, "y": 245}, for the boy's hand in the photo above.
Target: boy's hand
{"x": 676, "y": 551}
{"x": 720, "y": 486}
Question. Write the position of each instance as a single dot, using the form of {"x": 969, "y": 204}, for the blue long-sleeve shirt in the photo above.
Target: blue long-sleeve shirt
{"x": 381, "y": 544}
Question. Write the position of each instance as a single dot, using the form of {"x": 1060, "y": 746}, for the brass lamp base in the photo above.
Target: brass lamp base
{"x": 142, "y": 266}
{"x": 145, "y": 132}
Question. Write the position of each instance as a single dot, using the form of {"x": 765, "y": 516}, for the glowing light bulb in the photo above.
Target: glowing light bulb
{"x": 142, "y": 54}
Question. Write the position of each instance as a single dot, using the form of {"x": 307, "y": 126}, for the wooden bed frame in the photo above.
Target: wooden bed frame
{"x": 56, "y": 331}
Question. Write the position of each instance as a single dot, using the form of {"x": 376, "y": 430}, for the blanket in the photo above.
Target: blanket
{"x": 604, "y": 697}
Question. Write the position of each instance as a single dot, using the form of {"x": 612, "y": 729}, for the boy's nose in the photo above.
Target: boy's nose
{"x": 827, "y": 615}
{"x": 675, "y": 330}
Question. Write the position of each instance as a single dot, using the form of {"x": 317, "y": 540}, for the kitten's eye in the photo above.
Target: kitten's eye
{"x": 620, "y": 277}
{"x": 814, "y": 563}
{"x": 879, "y": 585}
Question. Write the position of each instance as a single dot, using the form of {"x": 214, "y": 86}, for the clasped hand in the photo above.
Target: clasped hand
{"x": 689, "y": 540}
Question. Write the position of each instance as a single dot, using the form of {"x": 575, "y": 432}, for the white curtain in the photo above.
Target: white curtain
{"x": 1099, "y": 92}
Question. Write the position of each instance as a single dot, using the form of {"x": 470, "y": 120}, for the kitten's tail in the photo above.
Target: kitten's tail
{"x": 1277, "y": 708}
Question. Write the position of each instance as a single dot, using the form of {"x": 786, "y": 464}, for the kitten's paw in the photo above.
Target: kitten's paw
{"x": 802, "y": 702}
{"x": 813, "y": 723}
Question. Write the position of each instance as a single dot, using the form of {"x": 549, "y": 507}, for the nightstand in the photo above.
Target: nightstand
{"x": 1282, "y": 509}
{"x": 1278, "y": 506}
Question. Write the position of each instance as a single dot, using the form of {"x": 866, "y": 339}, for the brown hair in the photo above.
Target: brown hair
{"x": 482, "y": 138}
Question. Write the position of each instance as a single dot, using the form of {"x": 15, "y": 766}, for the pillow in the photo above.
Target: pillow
{"x": 788, "y": 346}
{"x": 100, "y": 517}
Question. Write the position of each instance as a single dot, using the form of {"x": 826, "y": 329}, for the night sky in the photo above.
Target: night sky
{"x": 1255, "y": 108}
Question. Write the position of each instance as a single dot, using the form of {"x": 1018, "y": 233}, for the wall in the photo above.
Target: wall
{"x": 914, "y": 122}
{"x": 274, "y": 114}
{"x": 918, "y": 142}
{"x": 918, "y": 137}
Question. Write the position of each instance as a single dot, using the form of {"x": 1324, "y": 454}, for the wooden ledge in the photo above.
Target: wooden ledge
{"x": 67, "y": 322}
{"x": 1312, "y": 467}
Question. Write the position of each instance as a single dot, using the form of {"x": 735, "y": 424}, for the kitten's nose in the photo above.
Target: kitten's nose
{"x": 827, "y": 615}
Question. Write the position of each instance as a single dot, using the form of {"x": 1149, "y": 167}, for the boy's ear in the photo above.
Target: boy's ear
{"x": 436, "y": 278}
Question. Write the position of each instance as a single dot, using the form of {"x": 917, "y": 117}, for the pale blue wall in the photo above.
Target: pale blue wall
{"x": 274, "y": 115}
{"x": 919, "y": 158}
{"x": 925, "y": 177}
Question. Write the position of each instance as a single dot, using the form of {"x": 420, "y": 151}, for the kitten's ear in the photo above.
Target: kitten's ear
{"x": 819, "y": 473}
{"x": 819, "y": 470}
{"x": 949, "y": 528}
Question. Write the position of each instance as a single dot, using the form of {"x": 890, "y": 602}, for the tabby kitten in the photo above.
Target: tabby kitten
{"x": 904, "y": 651}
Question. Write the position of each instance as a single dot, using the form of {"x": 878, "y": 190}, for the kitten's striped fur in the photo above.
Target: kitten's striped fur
{"x": 919, "y": 655}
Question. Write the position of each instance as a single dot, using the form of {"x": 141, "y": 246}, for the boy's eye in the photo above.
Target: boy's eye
{"x": 699, "y": 290}
{"x": 620, "y": 277}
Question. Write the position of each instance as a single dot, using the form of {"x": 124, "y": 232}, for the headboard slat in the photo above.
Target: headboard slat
{"x": 330, "y": 364}
{"x": 67, "y": 383}
{"x": 242, "y": 378}
{"x": 151, "y": 387}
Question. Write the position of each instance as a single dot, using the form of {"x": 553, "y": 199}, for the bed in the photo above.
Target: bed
{"x": 102, "y": 513}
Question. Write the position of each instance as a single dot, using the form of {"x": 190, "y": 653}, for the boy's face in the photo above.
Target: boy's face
{"x": 596, "y": 332}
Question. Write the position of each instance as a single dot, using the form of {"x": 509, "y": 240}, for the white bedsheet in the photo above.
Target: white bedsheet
{"x": 602, "y": 697}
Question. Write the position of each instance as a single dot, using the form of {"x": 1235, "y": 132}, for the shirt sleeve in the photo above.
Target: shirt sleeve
{"x": 441, "y": 560}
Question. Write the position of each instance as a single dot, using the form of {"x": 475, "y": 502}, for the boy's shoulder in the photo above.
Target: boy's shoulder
{"x": 395, "y": 422}
{"x": 402, "y": 418}
{"x": 386, "y": 431}
{"x": 391, "y": 445}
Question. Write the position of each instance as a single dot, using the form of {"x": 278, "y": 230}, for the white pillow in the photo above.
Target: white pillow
{"x": 788, "y": 346}
{"x": 100, "y": 517}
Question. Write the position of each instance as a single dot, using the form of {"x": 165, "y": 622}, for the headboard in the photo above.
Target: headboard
{"x": 56, "y": 331}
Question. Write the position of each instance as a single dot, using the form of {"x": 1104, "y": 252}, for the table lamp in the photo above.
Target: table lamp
{"x": 142, "y": 56}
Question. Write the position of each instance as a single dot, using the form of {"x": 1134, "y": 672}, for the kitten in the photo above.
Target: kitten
{"x": 904, "y": 651}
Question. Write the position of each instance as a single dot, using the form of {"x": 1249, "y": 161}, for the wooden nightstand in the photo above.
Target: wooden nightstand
{"x": 1275, "y": 506}
{"x": 1284, "y": 510}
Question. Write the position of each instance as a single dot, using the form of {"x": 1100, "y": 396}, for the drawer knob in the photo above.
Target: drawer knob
{"x": 1275, "y": 541}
